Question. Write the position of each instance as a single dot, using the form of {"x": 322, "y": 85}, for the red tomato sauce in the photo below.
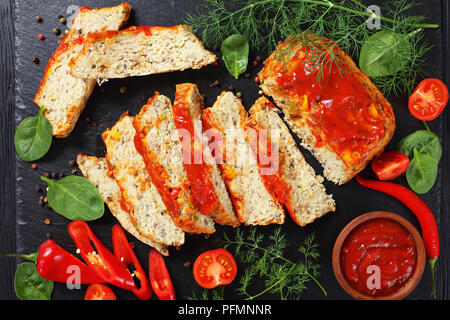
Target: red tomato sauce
{"x": 341, "y": 113}
{"x": 269, "y": 170}
{"x": 204, "y": 195}
{"x": 378, "y": 249}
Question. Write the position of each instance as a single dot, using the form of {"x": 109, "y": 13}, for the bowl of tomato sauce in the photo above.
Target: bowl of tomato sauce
{"x": 379, "y": 256}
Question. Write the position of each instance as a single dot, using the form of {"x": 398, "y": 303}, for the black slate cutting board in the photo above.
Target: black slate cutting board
{"x": 28, "y": 230}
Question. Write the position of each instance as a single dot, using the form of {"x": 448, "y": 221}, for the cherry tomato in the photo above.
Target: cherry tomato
{"x": 97, "y": 291}
{"x": 390, "y": 165}
{"x": 214, "y": 268}
{"x": 159, "y": 277}
{"x": 428, "y": 99}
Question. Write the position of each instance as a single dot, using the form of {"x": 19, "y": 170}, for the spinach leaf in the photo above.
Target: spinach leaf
{"x": 33, "y": 137}
{"x": 426, "y": 142}
{"x": 29, "y": 285}
{"x": 422, "y": 172}
{"x": 76, "y": 198}
{"x": 235, "y": 54}
{"x": 384, "y": 53}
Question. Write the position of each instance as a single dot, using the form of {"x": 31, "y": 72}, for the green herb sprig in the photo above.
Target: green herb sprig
{"x": 33, "y": 137}
{"x": 28, "y": 283}
{"x": 235, "y": 54}
{"x": 262, "y": 259}
{"x": 265, "y": 22}
{"x": 424, "y": 151}
{"x": 75, "y": 198}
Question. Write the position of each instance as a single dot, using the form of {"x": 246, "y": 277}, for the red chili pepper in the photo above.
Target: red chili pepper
{"x": 102, "y": 260}
{"x": 159, "y": 276}
{"x": 423, "y": 213}
{"x": 54, "y": 263}
{"x": 124, "y": 252}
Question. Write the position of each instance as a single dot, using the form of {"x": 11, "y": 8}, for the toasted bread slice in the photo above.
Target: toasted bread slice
{"x": 306, "y": 198}
{"x": 253, "y": 203}
{"x": 96, "y": 170}
{"x": 344, "y": 121}
{"x": 63, "y": 95}
{"x": 140, "y": 198}
{"x": 209, "y": 192}
{"x": 140, "y": 51}
{"x": 158, "y": 142}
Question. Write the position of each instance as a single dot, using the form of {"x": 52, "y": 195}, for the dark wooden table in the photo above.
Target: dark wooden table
{"x": 26, "y": 232}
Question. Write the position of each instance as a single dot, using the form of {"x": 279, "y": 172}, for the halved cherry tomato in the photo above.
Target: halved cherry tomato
{"x": 390, "y": 165}
{"x": 159, "y": 276}
{"x": 214, "y": 268}
{"x": 97, "y": 291}
{"x": 428, "y": 99}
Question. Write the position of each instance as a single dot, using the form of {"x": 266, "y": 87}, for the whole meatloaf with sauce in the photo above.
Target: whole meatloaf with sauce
{"x": 343, "y": 119}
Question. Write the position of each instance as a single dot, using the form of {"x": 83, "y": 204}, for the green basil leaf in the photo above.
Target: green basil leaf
{"x": 426, "y": 142}
{"x": 33, "y": 137}
{"x": 384, "y": 54}
{"x": 29, "y": 285}
{"x": 74, "y": 197}
{"x": 235, "y": 54}
{"x": 422, "y": 172}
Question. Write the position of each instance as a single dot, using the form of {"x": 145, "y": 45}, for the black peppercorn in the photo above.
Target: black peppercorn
{"x": 215, "y": 84}
{"x": 35, "y": 59}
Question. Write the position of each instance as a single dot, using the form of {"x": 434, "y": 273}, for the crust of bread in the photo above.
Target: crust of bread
{"x": 139, "y": 51}
{"x": 64, "y": 96}
{"x": 306, "y": 198}
{"x": 140, "y": 197}
{"x": 96, "y": 170}
{"x": 253, "y": 203}
{"x": 189, "y": 100}
{"x": 158, "y": 143}
{"x": 335, "y": 169}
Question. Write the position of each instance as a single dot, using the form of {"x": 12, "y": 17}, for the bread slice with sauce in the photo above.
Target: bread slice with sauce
{"x": 345, "y": 121}
{"x": 96, "y": 170}
{"x": 253, "y": 203}
{"x": 140, "y": 198}
{"x": 140, "y": 51}
{"x": 63, "y": 95}
{"x": 209, "y": 192}
{"x": 158, "y": 142}
{"x": 306, "y": 198}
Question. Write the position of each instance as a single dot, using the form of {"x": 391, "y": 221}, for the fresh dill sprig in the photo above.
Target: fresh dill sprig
{"x": 265, "y": 22}
{"x": 265, "y": 259}
{"x": 211, "y": 294}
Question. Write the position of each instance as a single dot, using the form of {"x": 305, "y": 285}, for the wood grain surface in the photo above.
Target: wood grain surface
{"x": 7, "y": 160}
